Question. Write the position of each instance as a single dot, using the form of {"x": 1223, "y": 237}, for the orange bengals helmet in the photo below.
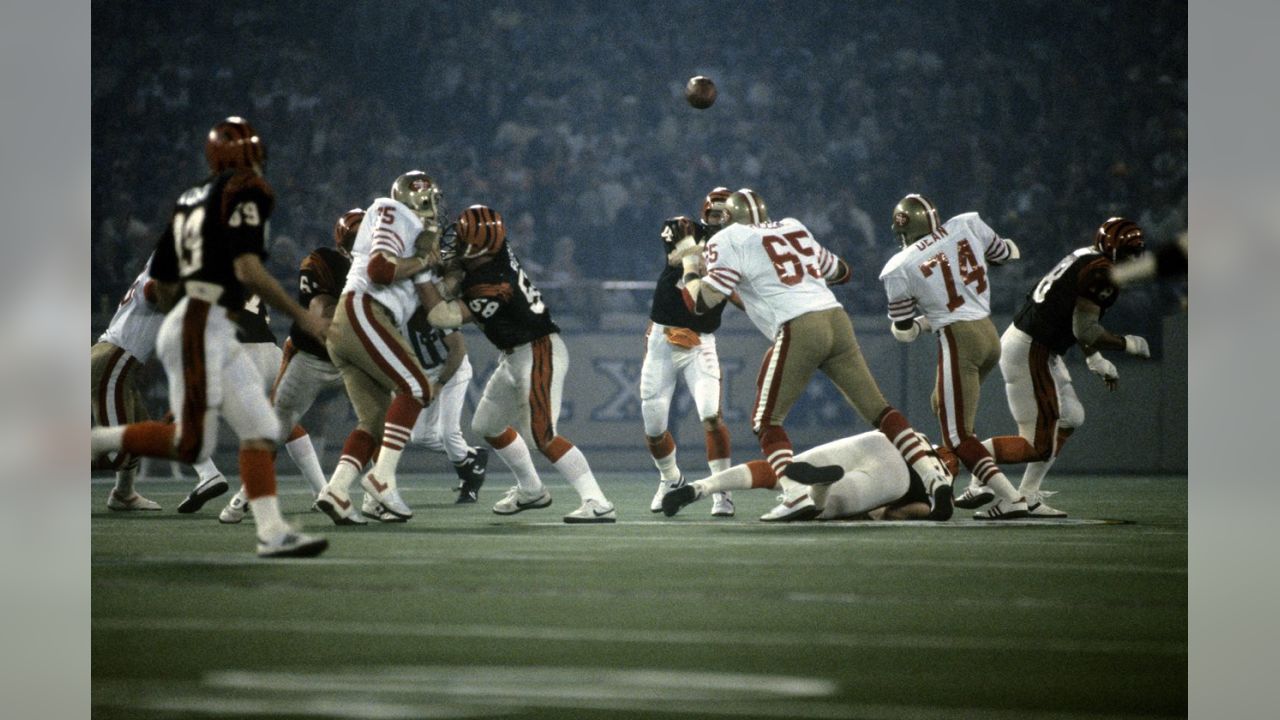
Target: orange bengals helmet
{"x": 480, "y": 232}
{"x": 344, "y": 231}
{"x": 1119, "y": 239}
{"x": 233, "y": 143}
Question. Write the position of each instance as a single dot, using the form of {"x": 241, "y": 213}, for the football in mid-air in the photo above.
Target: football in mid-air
{"x": 700, "y": 92}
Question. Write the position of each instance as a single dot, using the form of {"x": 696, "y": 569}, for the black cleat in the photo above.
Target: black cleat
{"x": 940, "y": 502}
{"x": 204, "y": 492}
{"x": 809, "y": 474}
{"x": 472, "y": 476}
{"x": 678, "y": 498}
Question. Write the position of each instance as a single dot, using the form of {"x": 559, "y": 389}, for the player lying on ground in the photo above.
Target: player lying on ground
{"x": 876, "y": 483}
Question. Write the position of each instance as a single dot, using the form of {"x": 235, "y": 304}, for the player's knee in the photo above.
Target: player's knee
{"x": 553, "y": 448}
{"x": 1072, "y": 415}
{"x": 711, "y": 424}
{"x": 262, "y": 443}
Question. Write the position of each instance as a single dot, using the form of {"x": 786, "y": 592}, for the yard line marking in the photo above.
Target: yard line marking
{"x": 668, "y": 637}
{"x": 546, "y": 555}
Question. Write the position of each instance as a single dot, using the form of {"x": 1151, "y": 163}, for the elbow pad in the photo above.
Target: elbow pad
{"x": 381, "y": 270}
{"x": 1085, "y": 327}
{"x": 445, "y": 315}
{"x": 1014, "y": 252}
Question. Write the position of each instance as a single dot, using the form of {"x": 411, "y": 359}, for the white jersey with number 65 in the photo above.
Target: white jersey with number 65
{"x": 944, "y": 274}
{"x": 777, "y": 268}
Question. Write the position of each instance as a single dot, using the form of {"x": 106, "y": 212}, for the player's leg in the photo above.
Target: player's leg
{"x": 469, "y": 463}
{"x": 298, "y": 385}
{"x": 1031, "y": 444}
{"x": 756, "y": 474}
{"x": 657, "y": 386}
{"x": 388, "y": 359}
{"x": 501, "y": 406}
{"x": 848, "y": 370}
{"x": 1070, "y": 415}
{"x": 550, "y": 364}
{"x": 116, "y": 402}
{"x": 702, "y": 377}
{"x": 963, "y": 350}
{"x": 875, "y": 475}
{"x": 784, "y": 373}
{"x": 251, "y": 416}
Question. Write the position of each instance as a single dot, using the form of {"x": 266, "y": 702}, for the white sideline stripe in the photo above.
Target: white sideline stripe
{"x": 605, "y": 635}
{"x": 548, "y": 555}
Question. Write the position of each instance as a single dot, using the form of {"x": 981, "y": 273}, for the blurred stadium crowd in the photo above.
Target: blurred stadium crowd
{"x": 1045, "y": 116}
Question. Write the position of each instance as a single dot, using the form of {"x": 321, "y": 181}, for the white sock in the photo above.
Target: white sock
{"x": 734, "y": 478}
{"x": 1033, "y": 474}
{"x": 206, "y": 469}
{"x": 517, "y": 459}
{"x": 124, "y": 479}
{"x": 668, "y": 467}
{"x": 394, "y": 438}
{"x": 719, "y": 465}
{"x": 343, "y": 475}
{"x": 573, "y": 466}
{"x": 303, "y": 454}
{"x": 1004, "y": 489}
{"x": 267, "y": 517}
{"x": 106, "y": 439}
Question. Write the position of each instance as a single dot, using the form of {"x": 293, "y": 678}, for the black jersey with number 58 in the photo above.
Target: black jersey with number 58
{"x": 213, "y": 223}
{"x": 505, "y": 303}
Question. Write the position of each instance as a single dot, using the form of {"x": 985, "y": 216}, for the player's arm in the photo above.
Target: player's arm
{"x": 702, "y": 295}
{"x": 834, "y": 269}
{"x": 163, "y": 295}
{"x": 913, "y": 510}
{"x": 903, "y": 321}
{"x": 250, "y": 271}
{"x": 1087, "y": 327}
{"x": 998, "y": 250}
{"x": 457, "y": 347}
{"x": 385, "y": 268}
{"x": 441, "y": 313}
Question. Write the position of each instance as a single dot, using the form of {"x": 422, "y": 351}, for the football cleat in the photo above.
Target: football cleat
{"x": 515, "y": 501}
{"x": 809, "y": 474}
{"x": 339, "y": 509}
{"x": 722, "y": 504}
{"x": 1003, "y": 510}
{"x": 678, "y": 498}
{"x": 387, "y": 494}
{"x": 131, "y": 503}
{"x": 795, "y": 510}
{"x": 664, "y": 487}
{"x": 593, "y": 511}
{"x": 291, "y": 543}
{"x": 205, "y": 491}
{"x": 1037, "y": 509}
{"x": 374, "y": 510}
{"x": 974, "y": 496}
{"x": 235, "y": 510}
{"x": 941, "y": 502}
{"x": 471, "y": 475}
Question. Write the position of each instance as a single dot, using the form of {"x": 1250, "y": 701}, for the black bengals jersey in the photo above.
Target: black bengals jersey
{"x": 253, "y": 324}
{"x": 323, "y": 272}
{"x": 213, "y": 223}
{"x": 505, "y": 303}
{"x": 668, "y": 306}
{"x": 1046, "y": 316}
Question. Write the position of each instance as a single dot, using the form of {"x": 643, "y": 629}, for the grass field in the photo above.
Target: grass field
{"x": 462, "y": 613}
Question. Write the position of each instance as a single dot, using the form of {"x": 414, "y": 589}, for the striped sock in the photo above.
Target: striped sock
{"x": 776, "y": 447}
{"x": 355, "y": 453}
{"x": 401, "y": 417}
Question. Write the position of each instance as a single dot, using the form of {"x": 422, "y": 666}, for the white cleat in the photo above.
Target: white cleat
{"x": 340, "y": 509}
{"x": 1037, "y": 509}
{"x": 515, "y": 501}
{"x": 374, "y": 510}
{"x": 388, "y": 495}
{"x": 722, "y": 504}
{"x": 794, "y": 510}
{"x": 235, "y": 510}
{"x": 975, "y": 496}
{"x": 1003, "y": 510}
{"x": 291, "y": 543}
{"x": 130, "y": 503}
{"x": 664, "y": 487}
{"x": 593, "y": 511}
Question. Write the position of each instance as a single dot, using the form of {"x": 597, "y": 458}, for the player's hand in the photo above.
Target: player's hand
{"x": 1137, "y": 345}
{"x": 1104, "y": 369}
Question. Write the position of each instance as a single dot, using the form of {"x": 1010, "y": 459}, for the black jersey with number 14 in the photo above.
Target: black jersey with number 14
{"x": 505, "y": 303}
{"x": 214, "y": 223}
